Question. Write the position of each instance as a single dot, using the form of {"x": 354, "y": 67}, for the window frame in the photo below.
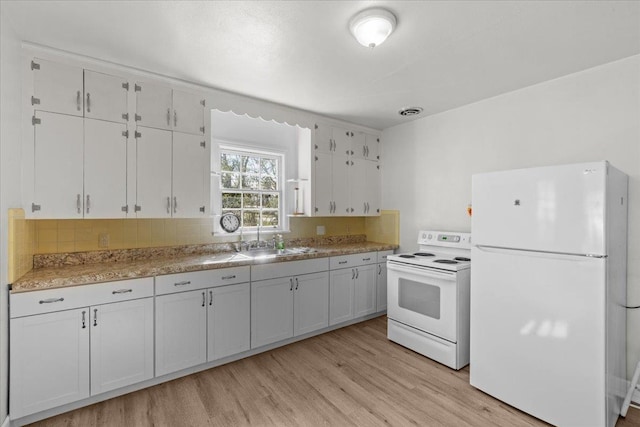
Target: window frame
{"x": 217, "y": 190}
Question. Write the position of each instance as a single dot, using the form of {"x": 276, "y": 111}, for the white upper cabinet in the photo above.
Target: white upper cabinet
{"x": 105, "y": 97}
{"x": 153, "y": 105}
{"x": 365, "y": 146}
{"x": 161, "y": 107}
{"x": 372, "y": 144}
{"x": 58, "y": 167}
{"x": 105, "y": 169}
{"x": 57, "y": 87}
{"x": 153, "y": 173}
{"x": 188, "y": 112}
{"x": 372, "y": 188}
{"x": 189, "y": 173}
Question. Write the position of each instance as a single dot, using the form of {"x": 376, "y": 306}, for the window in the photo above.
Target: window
{"x": 251, "y": 187}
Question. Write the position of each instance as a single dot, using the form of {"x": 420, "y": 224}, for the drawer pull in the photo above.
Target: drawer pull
{"x": 50, "y": 300}
{"x": 184, "y": 282}
{"x": 366, "y": 259}
{"x": 122, "y": 291}
{"x": 229, "y": 277}
{"x": 342, "y": 262}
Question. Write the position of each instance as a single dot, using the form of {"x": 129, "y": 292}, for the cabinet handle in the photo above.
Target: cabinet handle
{"x": 78, "y": 101}
{"x": 368, "y": 207}
{"x": 357, "y": 273}
{"x": 84, "y": 325}
{"x": 95, "y": 317}
{"x": 79, "y": 203}
{"x": 379, "y": 269}
{"x": 88, "y": 102}
{"x": 88, "y": 203}
{"x": 229, "y": 277}
{"x": 364, "y": 151}
{"x": 210, "y": 297}
{"x": 51, "y": 300}
{"x": 364, "y": 207}
{"x": 291, "y": 284}
{"x": 175, "y": 204}
{"x": 366, "y": 259}
{"x": 184, "y": 282}
{"x": 175, "y": 118}
{"x": 122, "y": 291}
{"x": 347, "y": 162}
{"x": 297, "y": 283}
{"x": 353, "y": 274}
{"x": 367, "y": 150}
{"x": 203, "y": 299}
{"x": 169, "y": 205}
{"x": 342, "y": 262}
{"x": 168, "y": 116}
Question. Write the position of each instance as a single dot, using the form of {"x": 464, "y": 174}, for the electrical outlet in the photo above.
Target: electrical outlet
{"x": 320, "y": 230}
{"x": 103, "y": 240}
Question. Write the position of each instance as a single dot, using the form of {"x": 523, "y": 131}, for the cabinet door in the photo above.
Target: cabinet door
{"x": 181, "y": 331}
{"x": 105, "y": 169}
{"x": 188, "y": 113}
{"x": 190, "y": 169}
{"x": 58, "y": 88}
{"x": 228, "y": 321}
{"x": 372, "y": 143}
{"x": 381, "y": 287}
{"x": 341, "y": 141}
{"x": 322, "y": 184}
{"x": 359, "y": 146}
{"x": 372, "y": 188}
{"x": 341, "y": 295}
{"x": 49, "y": 361}
{"x": 271, "y": 311}
{"x": 365, "y": 290}
{"x": 58, "y": 166}
{"x": 323, "y": 142}
{"x": 153, "y": 173}
{"x": 121, "y": 344}
{"x": 310, "y": 302}
{"x": 105, "y": 97}
{"x": 358, "y": 186}
{"x": 153, "y": 106}
{"x": 340, "y": 185}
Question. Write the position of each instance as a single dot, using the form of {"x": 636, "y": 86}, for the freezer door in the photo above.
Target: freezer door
{"x": 538, "y": 333}
{"x": 554, "y": 209}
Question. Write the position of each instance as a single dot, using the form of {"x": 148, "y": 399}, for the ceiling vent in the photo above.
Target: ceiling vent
{"x": 410, "y": 111}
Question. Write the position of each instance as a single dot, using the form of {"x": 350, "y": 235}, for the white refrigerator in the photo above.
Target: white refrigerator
{"x": 548, "y": 290}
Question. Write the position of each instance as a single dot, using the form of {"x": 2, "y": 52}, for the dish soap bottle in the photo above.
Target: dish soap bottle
{"x": 279, "y": 242}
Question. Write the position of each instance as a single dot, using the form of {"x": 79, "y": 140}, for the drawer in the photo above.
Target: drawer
{"x": 50, "y": 300}
{"x": 180, "y": 282}
{"x": 382, "y": 255}
{"x": 289, "y": 268}
{"x": 345, "y": 261}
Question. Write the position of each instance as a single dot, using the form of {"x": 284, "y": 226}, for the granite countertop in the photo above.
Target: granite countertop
{"x": 73, "y": 273}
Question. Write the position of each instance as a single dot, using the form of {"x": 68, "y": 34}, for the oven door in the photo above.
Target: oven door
{"x": 423, "y": 298}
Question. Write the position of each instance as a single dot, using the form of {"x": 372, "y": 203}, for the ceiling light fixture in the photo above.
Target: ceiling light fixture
{"x": 371, "y": 27}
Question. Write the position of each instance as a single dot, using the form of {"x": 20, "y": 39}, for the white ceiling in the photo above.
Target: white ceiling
{"x": 443, "y": 54}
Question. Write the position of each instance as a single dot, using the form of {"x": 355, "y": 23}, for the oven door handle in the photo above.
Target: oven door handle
{"x": 404, "y": 268}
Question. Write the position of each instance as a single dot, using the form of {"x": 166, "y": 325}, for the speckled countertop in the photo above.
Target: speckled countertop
{"x": 112, "y": 265}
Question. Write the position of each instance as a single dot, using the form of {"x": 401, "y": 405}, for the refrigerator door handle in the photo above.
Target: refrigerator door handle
{"x": 487, "y": 248}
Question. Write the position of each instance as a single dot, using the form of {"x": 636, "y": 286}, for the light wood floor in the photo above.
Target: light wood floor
{"x": 350, "y": 377}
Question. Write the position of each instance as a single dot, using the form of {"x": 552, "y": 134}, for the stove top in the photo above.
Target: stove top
{"x": 441, "y": 250}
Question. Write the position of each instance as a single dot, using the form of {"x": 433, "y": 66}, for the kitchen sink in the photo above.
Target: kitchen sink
{"x": 269, "y": 253}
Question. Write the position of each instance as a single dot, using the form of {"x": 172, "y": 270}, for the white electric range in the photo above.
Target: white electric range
{"x": 428, "y": 297}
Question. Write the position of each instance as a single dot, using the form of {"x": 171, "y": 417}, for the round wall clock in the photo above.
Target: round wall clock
{"x": 229, "y": 222}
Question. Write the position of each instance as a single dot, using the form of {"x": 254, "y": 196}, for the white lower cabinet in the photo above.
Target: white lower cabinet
{"x": 228, "y": 321}
{"x": 59, "y": 357}
{"x": 49, "y": 361}
{"x": 207, "y": 321}
{"x": 181, "y": 331}
{"x": 288, "y": 306}
{"x": 352, "y": 287}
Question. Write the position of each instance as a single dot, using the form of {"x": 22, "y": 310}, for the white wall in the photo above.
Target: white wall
{"x": 587, "y": 116}
{"x": 10, "y": 104}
